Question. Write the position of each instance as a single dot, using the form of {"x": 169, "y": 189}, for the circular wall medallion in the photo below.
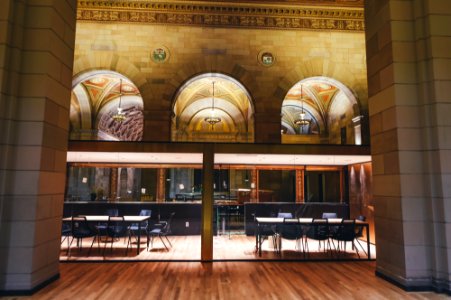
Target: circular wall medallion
{"x": 160, "y": 54}
{"x": 266, "y": 58}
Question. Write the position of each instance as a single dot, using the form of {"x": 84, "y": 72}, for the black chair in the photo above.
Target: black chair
{"x": 319, "y": 231}
{"x": 66, "y": 232}
{"x": 81, "y": 229}
{"x": 134, "y": 227}
{"x": 161, "y": 229}
{"x": 346, "y": 233}
{"x": 359, "y": 232}
{"x": 265, "y": 232}
{"x": 329, "y": 215}
{"x": 117, "y": 229}
{"x": 291, "y": 231}
{"x": 285, "y": 215}
{"x": 102, "y": 227}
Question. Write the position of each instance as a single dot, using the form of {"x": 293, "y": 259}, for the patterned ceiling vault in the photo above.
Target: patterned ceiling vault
{"x": 96, "y": 99}
{"x": 326, "y": 102}
{"x": 232, "y": 105}
{"x": 342, "y": 15}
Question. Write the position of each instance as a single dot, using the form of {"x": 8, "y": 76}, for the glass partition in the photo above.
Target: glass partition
{"x": 322, "y": 186}
{"x": 277, "y": 186}
{"x": 130, "y": 184}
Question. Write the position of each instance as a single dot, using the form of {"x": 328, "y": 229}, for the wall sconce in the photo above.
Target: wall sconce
{"x": 252, "y": 185}
{"x": 181, "y": 186}
{"x": 84, "y": 179}
{"x": 143, "y": 190}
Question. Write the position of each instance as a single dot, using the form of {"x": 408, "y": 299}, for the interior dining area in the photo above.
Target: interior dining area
{"x": 167, "y": 187}
{"x": 242, "y": 149}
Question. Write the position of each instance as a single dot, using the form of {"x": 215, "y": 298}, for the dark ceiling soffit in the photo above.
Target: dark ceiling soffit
{"x": 174, "y": 147}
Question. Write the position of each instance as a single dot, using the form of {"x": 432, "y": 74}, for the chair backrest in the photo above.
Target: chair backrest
{"x": 145, "y": 212}
{"x": 116, "y": 226}
{"x": 285, "y": 215}
{"x": 81, "y": 227}
{"x": 361, "y": 218}
{"x": 112, "y": 212}
{"x": 329, "y": 215}
{"x": 290, "y": 230}
{"x": 319, "y": 229}
{"x": 346, "y": 231}
{"x": 167, "y": 227}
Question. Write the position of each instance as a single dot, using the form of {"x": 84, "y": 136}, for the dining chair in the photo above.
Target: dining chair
{"x": 284, "y": 215}
{"x": 134, "y": 227}
{"x": 265, "y": 231}
{"x": 117, "y": 229}
{"x": 318, "y": 230}
{"x": 66, "y": 232}
{"x": 160, "y": 230}
{"x": 102, "y": 226}
{"x": 359, "y": 232}
{"x": 346, "y": 233}
{"x": 290, "y": 231}
{"x": 329, "y": 215}
{"x": 81, "y": 229}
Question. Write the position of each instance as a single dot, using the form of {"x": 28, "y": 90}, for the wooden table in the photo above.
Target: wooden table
{"x": 127, "y": 219}
{"x": 309, "y": 222}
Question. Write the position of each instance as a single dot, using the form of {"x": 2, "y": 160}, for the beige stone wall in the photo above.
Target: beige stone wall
{"x": 409, "y": 72}
{"x": 36, "y": 59}
{"x": 126, "y": 48}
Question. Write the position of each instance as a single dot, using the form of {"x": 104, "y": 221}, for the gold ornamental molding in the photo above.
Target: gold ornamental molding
{"x": 225, "y": 14}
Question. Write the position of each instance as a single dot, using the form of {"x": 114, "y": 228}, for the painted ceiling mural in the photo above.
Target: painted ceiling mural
{"x": 106, "y": 106}
{"x": 213, "y": 107}
{"x": 322, "y": 100}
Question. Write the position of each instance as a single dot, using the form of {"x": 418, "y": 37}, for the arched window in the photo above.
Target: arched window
{"x": 320, "y": 110}
{"x": 105, "y": 105}
{"x": 213, "y": 108}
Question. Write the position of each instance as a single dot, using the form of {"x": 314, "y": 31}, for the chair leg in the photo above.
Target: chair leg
{"x": 163, "y": 242}
{"x": 68, "y": 248}
{"x": 170, "y": 244}
{"x": 93, "y": 240}
{"x": 364, "y": 251}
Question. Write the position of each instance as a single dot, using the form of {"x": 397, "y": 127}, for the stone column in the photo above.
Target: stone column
{"x": 409, "y": 75}
{"x": 36, "y": 59}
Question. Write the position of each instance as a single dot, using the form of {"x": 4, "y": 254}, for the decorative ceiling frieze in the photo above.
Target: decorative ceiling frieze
{"x": 225, "y": 14}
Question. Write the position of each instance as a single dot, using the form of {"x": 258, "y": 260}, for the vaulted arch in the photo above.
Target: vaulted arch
{"x": 98, "y": 98}
{"x": 207, "y": 94}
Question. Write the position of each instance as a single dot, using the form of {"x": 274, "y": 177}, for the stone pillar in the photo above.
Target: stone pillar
{"x": 36, "y": 59}
{"x": 409, "y": 75}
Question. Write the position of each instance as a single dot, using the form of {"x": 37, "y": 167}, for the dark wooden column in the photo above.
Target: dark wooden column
{"x": 161, "y": 183}
{"x": 300, "y": 186}
{"x": 207, "y": 204}
{"x": 113, "y": 184}
{"x": 254, "y": 185}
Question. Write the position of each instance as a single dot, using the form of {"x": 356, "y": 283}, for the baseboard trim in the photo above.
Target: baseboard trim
{"x": 30, "y": 291}
{"x": 419, "y": 288}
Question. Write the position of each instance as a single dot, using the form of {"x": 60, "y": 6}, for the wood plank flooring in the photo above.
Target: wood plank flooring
{"x": 225, "y": 247}
{"x": 223, "y": 280}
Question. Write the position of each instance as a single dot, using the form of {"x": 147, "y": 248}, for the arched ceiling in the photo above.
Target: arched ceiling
{"x": 105, "y": 87}
{"x": 195, "y": 100}
{"x": 317, "y": 96}
{"x": 96, "y": 97}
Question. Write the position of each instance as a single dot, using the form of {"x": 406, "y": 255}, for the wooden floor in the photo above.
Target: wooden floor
{"x": 223, "y": 280}
{"x": 225, "y": 247}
